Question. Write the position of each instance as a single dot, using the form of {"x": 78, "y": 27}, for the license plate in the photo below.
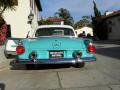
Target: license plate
{"x": 56, "y": 54}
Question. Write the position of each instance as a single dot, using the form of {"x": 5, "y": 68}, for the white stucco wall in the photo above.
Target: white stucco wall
{"x": 36, "y": 13}
{"x": 115, "y": 28}
{"x": 18, "y": 19}
{"x": 86, "y": 29}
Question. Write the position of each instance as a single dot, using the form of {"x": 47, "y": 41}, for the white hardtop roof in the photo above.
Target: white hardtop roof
{"x": 62, "y": 26}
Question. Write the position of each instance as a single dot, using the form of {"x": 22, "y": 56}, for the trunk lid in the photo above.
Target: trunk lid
{"x": 56, "y": 43}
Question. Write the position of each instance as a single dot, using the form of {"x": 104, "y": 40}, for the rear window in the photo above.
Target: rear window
{"x": 54, "y": 32}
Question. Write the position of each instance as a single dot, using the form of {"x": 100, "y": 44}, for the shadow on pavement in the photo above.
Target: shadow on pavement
{"x": 113, "y": 52}
{"x": 38, "y": 67}
{"x": 2, "y": 86}
{"x": 117, "y": 42}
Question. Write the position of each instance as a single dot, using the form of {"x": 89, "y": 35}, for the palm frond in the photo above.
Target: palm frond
{"x": 6, "y": 4}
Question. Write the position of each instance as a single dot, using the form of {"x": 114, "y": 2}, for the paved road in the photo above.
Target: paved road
{"x": 104, "y": 74}
{"x": 3, "y": 60}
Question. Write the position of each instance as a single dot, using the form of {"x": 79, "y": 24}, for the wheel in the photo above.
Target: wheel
{"x": 80, "y": 65}
{"x": 30, "y": 66}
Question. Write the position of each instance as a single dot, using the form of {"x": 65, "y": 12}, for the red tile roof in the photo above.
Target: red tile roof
{"x": 115, "y": 13}
{"x": 55, "y": 19}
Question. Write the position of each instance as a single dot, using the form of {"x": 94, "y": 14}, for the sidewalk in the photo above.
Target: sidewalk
{"x": 3, "y": 61}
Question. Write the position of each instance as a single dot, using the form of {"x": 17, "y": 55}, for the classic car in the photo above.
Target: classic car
{"x": 55, "y": 44}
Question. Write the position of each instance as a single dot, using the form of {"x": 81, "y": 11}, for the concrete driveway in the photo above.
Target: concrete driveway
{"x": 104, "y": 74}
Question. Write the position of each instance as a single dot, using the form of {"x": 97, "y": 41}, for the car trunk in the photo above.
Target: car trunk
{"x": 56, "y": 43}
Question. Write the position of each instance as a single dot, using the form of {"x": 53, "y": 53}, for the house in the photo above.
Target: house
{"x": 112, "y": 22}
{"x": 56, "y": 20}
{"x": 86, "y": 30}
{"x": 24, "y": 18}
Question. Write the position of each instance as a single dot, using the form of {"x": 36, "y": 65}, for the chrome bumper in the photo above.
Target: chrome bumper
{"x": 55, "y": 61}
{"x": 10, "y": 52}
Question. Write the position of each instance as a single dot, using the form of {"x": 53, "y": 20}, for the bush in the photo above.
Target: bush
{"x": 2, "y": 21}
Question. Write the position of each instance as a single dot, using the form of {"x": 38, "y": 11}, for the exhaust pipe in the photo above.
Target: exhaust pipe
{"x": 77, "y": 55}
{"x": 33, "y": 56}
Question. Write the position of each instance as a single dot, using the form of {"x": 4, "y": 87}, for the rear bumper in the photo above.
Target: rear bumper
{"x": 10, "y": 52}
{"x": 55, "y": 61}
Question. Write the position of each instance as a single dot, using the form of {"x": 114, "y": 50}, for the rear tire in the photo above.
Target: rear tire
{"x": 80, "y": 65}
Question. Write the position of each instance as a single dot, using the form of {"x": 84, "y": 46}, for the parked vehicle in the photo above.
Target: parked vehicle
{"x": 10, "y": 47}
{"x": 54, "y": 44}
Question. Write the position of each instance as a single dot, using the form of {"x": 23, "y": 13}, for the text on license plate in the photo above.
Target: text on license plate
{"x": 56, "y": 54}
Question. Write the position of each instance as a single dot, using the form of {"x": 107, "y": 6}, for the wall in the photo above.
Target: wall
{"x": 18, "y": 19}
{"x": 86, "y": 29}
{"x": 114, "y": 27}
{"x": 35, "y": 11}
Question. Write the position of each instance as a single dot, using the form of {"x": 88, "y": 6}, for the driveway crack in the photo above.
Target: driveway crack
{"x": 109, "y": 87}
{"x": 59, "y": 80}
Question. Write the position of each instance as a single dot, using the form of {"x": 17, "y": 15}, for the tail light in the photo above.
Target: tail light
{"x": 91, "y": 48}
{"x": 20, "y": 49}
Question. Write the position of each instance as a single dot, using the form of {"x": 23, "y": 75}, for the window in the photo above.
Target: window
{"x": 110, "y": 22}
{"x": 54, "y": 31}
{"x": 34, "y": 7}
{"x": 31, "y": 4}
{"x": 110, "y": 29}
{"x": 8, "y": 31}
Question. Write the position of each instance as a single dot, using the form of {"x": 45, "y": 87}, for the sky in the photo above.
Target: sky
{"x": 77, "y": 8}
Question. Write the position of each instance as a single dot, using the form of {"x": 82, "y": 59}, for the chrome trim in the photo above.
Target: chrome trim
{"x": 56, "y": 61}
{"x": 10, "y": 52}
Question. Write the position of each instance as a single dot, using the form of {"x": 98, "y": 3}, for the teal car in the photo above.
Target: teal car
{"x": 55, "y": 44}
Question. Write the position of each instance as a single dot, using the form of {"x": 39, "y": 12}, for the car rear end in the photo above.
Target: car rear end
{"x": 55, "y": 50}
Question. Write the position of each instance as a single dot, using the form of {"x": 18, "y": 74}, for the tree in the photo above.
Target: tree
{"x": 45, "y": 22}
{"x": 98, "y": 26}
{"x": 4, "y": 5}
{"x": 97, "y": 13}
{"x": 7, "y": 4}
{"x": 85, "y": 21}
{"x": 65, "y": 14}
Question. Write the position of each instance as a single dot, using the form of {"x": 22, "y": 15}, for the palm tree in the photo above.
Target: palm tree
{"x": 7, "y": 4}
{"x": 4, "y": 5}
{"x": 65, "y": 14}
